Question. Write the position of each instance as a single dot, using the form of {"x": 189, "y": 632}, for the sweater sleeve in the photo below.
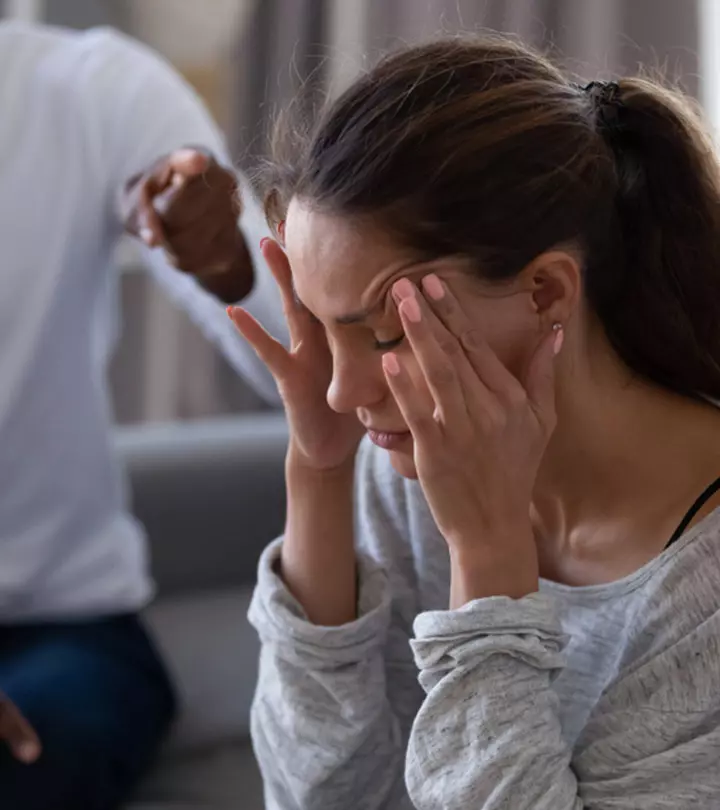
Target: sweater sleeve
{"x": 334, "y": 705}
{"x": 488, "y": 734}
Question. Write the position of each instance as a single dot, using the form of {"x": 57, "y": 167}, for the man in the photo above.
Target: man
{"x": 97, "y": 136}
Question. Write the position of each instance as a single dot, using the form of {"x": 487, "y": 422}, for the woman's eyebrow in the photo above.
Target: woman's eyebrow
{"x": 361, "y": 315}
{"x": 345, "y": 320}
{"x": 412, "y": 268}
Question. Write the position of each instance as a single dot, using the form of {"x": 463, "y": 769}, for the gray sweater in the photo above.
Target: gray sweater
{"x": 604, "y": 697}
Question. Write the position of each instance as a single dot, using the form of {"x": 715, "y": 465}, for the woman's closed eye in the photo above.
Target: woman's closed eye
{"x": 386, "y": 345}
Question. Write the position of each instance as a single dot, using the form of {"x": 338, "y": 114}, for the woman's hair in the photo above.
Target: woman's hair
{"x": 484, "y": 149}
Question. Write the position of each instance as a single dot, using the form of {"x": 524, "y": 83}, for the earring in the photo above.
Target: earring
{"x": 557, "y": 326}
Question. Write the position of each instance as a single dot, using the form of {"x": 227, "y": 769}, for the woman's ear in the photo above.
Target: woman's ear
{"x": 554, "y": 279}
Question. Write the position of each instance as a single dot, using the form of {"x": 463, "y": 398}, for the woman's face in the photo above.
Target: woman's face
{"x": 343, "y": 273}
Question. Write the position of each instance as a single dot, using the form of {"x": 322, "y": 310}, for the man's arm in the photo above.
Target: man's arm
{"x": 168, "y": 170}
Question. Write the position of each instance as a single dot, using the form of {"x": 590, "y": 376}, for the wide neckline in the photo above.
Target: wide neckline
{"x": 634, "y": 580}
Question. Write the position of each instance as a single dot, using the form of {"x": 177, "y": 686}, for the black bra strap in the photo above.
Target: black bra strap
{"x": 694, "y": 509}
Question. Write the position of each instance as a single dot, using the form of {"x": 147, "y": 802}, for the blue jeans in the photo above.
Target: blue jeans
{"x": 101, "y": 703}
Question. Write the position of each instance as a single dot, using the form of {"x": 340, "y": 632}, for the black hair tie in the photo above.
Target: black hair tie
{"x": 605, "y": 98}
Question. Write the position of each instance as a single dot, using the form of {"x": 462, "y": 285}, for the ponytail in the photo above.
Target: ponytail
{"x": 663, "y": 316}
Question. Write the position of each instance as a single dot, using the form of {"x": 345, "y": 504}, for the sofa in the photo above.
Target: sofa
{"x": 211, "y": 496}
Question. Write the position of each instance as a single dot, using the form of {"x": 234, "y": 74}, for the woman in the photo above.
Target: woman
{"x": 518, "y": 280}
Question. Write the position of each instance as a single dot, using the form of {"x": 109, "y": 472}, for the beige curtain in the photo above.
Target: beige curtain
{"x": 288, "y": 41}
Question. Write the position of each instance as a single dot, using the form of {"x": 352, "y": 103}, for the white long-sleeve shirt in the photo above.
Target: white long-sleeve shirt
{"x": 81, "y": 114}
{"x": 602, "y": 697}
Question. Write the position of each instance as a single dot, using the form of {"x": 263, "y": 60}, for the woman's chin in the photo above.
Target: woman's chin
{"x": 403, "y": 463}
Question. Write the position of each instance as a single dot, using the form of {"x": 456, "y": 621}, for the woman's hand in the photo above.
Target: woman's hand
{"x": 479, "y": 443}
{"x": 320, "y": 438}
{"x": 317, "y": 561}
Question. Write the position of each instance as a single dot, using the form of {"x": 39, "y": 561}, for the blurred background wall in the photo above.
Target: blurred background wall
{"x": 248, "y": 58}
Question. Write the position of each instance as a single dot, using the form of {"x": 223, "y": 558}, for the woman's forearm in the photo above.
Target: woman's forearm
{"x": 318, "y": 561}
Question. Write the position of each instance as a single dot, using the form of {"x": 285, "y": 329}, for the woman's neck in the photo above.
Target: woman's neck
{"x": 626, "y": 461}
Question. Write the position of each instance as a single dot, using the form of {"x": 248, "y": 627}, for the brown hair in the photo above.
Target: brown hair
{"x": 483, "y": 148}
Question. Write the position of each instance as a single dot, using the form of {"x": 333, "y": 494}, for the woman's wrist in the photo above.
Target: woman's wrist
{"x": 299, "y": 468}
{"x": 504, "y": 564}
{"x": 318, "y": 561}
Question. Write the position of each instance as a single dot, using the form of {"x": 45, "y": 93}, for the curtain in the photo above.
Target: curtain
{"x": 293, "y": 41}
{"x": 85, "y": 13}
{"x": 277, "y": 60}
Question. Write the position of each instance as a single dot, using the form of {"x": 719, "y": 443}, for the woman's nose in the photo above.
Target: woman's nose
{"x": 355, "y": 385}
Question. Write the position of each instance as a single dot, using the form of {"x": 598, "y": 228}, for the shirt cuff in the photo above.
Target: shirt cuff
{"x": 527, "y": 630}
{"x": 281, "y": 621}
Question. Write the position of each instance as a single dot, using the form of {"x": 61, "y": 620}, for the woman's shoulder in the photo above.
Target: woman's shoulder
{"x": 689, "y": 571}
{"x": 677, "y": 599}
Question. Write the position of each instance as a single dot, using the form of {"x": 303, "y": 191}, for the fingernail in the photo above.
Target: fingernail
{"x": 264, "y": 242}
{"x": 229, "y": 311}
{"x": 147, "y": 236}
{"x": 411, "y": 308}
{"x": 559, "y": 339}
{"x": 403, "y": 290}
{"x": 433, "y": 287}
{"x": 390, "y": 364}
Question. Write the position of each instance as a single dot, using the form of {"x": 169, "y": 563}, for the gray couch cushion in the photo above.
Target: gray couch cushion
{"x": 211, "y": 495}
{"x": 212, "y": 654}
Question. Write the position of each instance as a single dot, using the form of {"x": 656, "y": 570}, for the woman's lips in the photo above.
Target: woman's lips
{"x": 388, "y": 440}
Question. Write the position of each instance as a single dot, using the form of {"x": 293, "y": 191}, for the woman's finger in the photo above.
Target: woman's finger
{"x": 455, "y": 334}
{"x": 279, "y": 266}
{"x": 297, "y": 317}
{"x": 17, "y": 733}
{"x": 415, "y": 409}
{"x": 447, "y": 372}
{"x": 275, "y": 356}
{"x": 540, "y": 378}
{"x": 482, "y": 358}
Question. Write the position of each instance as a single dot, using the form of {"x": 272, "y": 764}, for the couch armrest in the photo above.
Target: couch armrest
{"x": 211, "y": 495}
